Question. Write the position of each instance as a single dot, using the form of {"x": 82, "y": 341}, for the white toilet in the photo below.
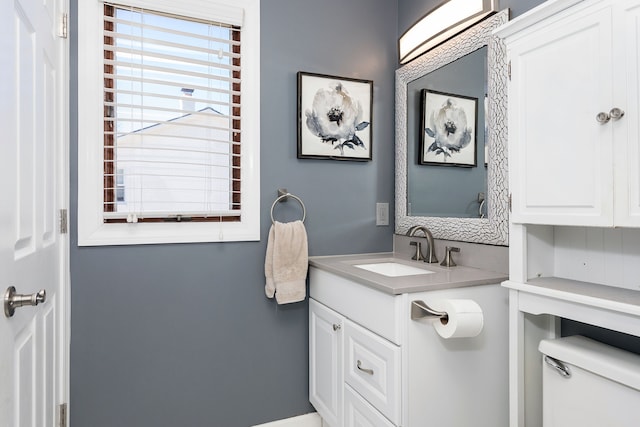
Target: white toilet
{"x": 589, "y": 384}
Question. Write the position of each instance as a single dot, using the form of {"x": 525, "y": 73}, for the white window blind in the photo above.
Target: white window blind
{"x": 172, "y": 128}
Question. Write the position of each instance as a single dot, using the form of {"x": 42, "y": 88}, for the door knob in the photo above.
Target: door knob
{"x": 616, "y": 113}
{"x": 603, "y": 118}
{"x": 13, "y": 300}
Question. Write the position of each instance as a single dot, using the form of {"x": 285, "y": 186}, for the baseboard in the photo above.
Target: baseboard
{"x": 308, "y": 420}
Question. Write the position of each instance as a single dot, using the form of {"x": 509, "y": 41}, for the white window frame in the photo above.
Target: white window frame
{"x": 92, "y": 230}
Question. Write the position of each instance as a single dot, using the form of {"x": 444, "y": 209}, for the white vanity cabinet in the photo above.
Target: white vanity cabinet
{"x": 348, "y": 364}
{"x": 354, "y": 353}
{"x": 370, "y": 364}
{"x": 573, "y": 72}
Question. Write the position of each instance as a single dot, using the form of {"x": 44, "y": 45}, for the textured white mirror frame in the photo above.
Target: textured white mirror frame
{"x": 493, "y": 230}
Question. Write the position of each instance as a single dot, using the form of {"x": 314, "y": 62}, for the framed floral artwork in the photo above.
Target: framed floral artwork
{"x": 334, "y": 117}
{"x": 448, "y": 129}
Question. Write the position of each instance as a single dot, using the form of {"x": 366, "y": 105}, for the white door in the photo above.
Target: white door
{"x": 626, "y": 45}
{"x": 560, "y": 156}
{"x": 33, "y": 253}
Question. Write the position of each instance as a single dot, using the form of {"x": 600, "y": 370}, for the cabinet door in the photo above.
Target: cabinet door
{"x": 626, "y": 47}
{"x": 560, "y": 156}
{"x": 325, "y": 362}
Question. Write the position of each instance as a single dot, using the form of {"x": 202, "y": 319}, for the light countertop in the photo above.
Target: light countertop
{"x": 441, "y": 278}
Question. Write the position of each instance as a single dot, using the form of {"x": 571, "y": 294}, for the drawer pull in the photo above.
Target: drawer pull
{"x": 560, "y": 367}
{"x": 365, "y": 370}
{"x": 336, "y": 326}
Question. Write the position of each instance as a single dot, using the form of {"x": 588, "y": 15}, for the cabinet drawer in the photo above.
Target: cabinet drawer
{"x": 358, "y": 413}
{"x": 375, "y": 310}
{"x": 372, "y": 368}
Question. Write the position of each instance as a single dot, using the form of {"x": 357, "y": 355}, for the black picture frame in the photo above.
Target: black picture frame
{"x": 448, "y": 129}
{"x": 334, "y": 117}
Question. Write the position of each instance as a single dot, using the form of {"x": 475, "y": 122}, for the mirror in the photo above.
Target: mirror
{"x": 444, "y": 186}
{"x": 493, "y": 228}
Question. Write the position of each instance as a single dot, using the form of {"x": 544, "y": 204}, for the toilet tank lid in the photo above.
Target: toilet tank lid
{"x": 601, "y": 359}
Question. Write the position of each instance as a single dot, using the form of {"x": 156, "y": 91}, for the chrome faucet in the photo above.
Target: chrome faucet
{"x": 431, "y": 250}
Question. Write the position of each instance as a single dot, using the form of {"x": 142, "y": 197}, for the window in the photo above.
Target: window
{"x": 164, "y": 152}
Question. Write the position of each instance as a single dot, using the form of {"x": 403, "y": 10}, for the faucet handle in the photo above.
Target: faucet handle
{"x": 418, "y": 255}
{"x": 448, "y": 261}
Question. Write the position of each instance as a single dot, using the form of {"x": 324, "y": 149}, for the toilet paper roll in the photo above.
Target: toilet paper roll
{"x": 464, "y": 318}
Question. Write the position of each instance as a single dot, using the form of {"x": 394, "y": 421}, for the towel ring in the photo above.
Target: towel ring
{"x": 284, "y": 197}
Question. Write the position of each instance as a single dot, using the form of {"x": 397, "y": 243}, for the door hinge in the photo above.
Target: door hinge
{"x": 64, "y": 221}
{"x": 509, "y": 202}
{"x": 62, "y": 415}
{"x": 509, "y": 70}
{"x": 64, "y": 26}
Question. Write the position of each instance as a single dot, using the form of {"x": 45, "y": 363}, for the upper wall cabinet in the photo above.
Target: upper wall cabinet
{"x": 573, "y": 113}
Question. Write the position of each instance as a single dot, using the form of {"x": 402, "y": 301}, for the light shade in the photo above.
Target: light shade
{"x": 442, "y": 23}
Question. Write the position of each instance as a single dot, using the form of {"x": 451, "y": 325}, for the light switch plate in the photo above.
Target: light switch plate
{"x": 382, "y": 213}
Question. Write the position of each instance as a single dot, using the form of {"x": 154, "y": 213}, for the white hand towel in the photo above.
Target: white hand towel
{"x": 286, "y": 262}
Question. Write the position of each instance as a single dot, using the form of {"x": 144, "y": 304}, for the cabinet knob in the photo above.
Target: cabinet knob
{"x": 336, "y": 326}
{"x": 603, "y": 118}
{"x": 616, "y": 113}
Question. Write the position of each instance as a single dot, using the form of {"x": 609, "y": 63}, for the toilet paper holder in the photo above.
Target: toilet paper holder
{"x": 420, "y": 310}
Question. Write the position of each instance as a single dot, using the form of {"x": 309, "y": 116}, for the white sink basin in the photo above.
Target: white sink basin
{"x": 393, "y": 269}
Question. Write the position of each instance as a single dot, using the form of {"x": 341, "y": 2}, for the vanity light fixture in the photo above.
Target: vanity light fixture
{"x": 442, "y": 23}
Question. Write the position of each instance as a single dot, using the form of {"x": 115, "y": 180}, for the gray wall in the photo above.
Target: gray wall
{"x": 182, "y": 335}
